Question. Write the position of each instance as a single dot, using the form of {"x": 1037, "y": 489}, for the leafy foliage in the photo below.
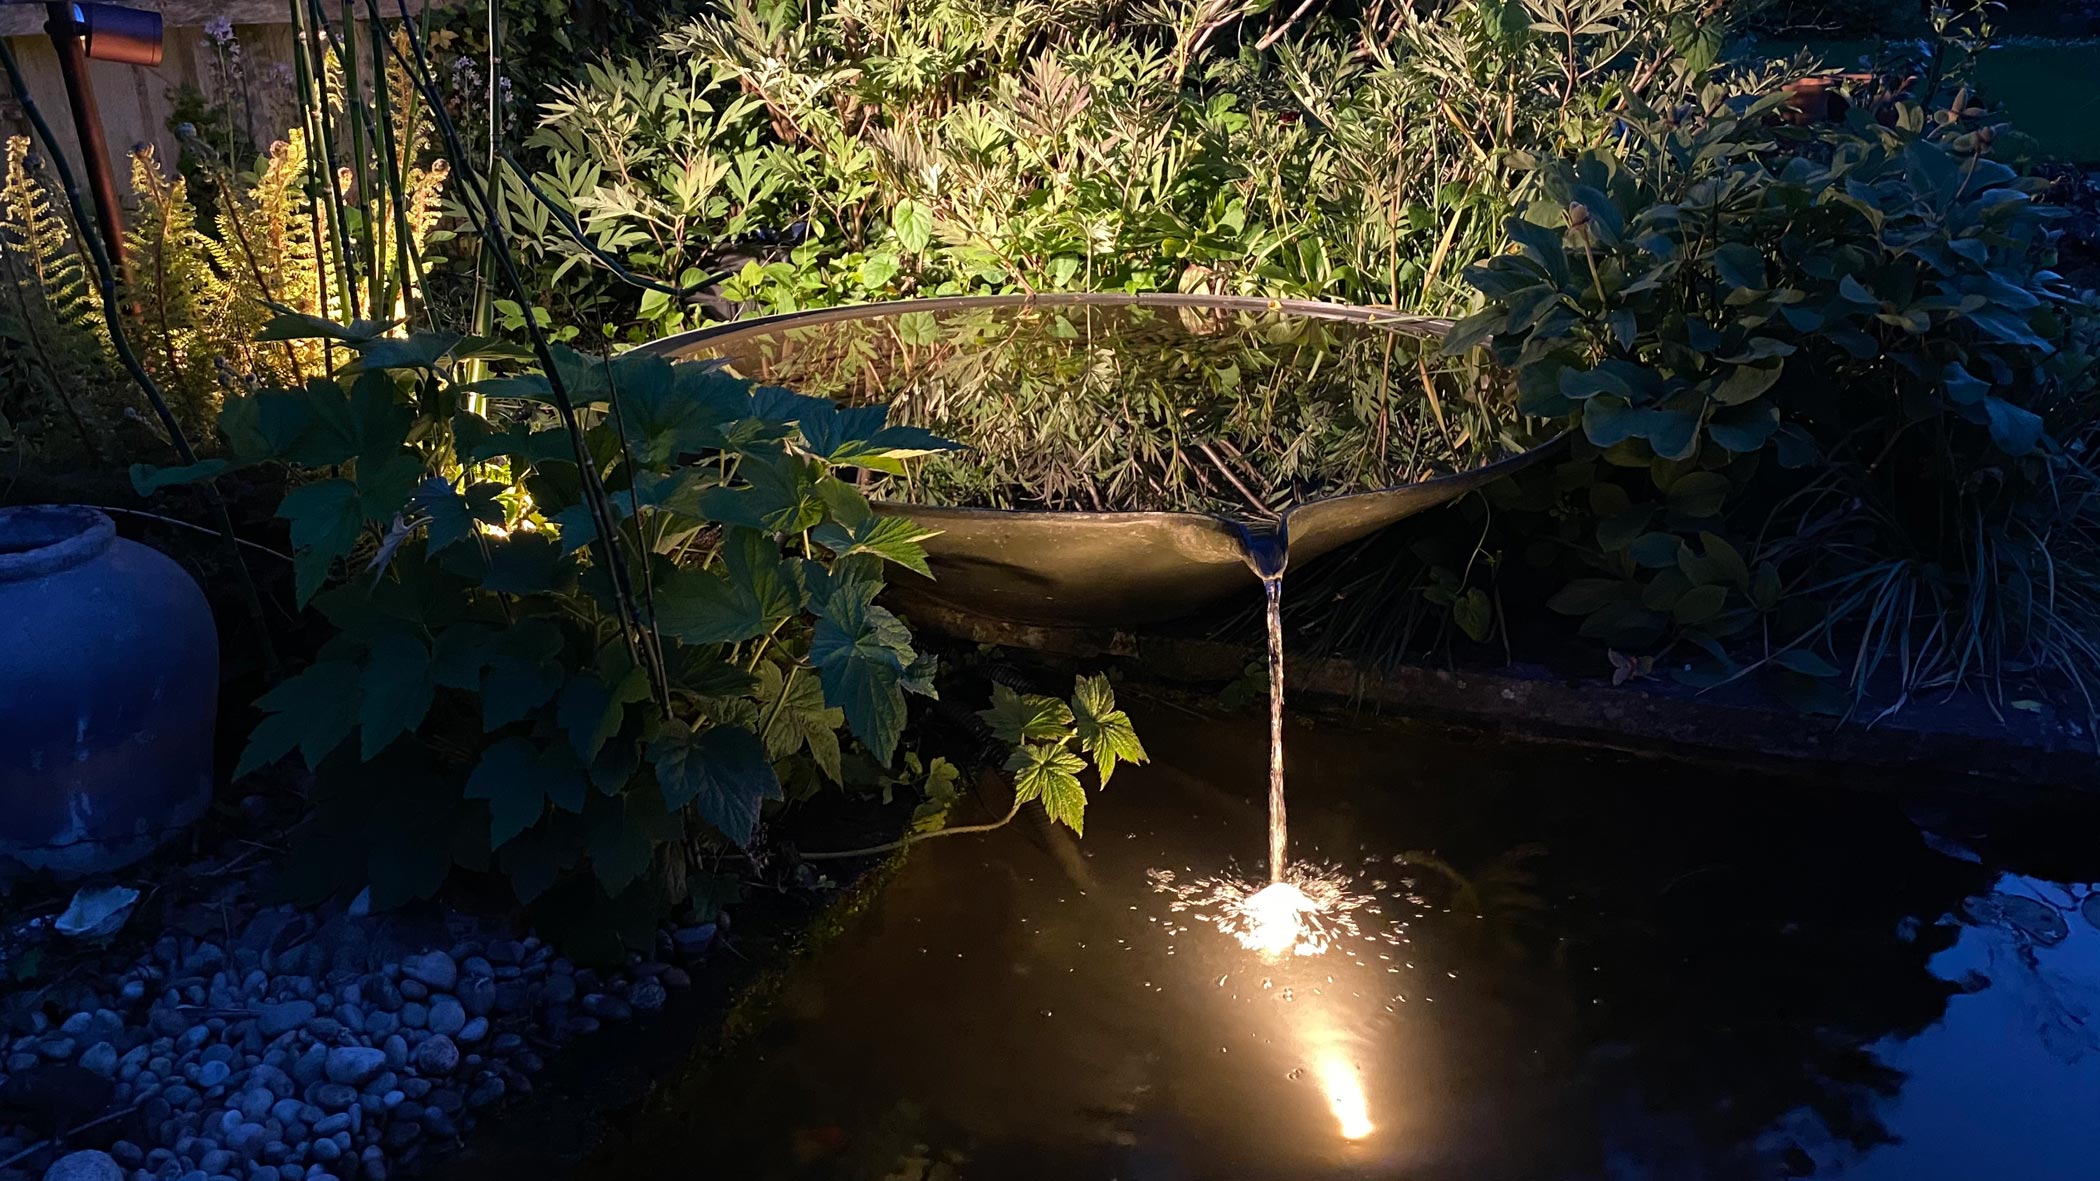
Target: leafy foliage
{"x": 477, "y": 652}
{"x": 1819, "y": 376}
{"x": 59, "y": 376}
{"x": 1042, "y": 732}
{"x": 880, "y": 148}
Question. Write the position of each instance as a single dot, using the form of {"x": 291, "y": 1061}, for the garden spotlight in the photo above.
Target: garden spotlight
{"x": 104, "y": 32}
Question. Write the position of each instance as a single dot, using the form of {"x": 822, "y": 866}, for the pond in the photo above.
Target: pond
{"x": 1563, "y": 966}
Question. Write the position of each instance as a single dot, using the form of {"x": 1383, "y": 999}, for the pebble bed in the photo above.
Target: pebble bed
{"x": 302, "y": 1051}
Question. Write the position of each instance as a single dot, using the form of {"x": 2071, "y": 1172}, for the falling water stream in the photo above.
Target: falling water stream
{"x": 1272, "y": 590}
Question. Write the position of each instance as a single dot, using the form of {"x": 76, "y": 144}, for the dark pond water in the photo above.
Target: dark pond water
{"x": 1110, "y": 406}
{"x": 1585, "y": 968}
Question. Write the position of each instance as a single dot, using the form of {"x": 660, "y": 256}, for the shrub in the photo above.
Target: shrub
{"x": 1827, "y": 392}
{"x": 885, "y": 148}
{"x": 481, "y": 701}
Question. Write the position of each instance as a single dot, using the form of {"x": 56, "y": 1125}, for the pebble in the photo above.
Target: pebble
{"x": 477, "y": 994}
{"x": 100, "y": 1058}
{"x": 606, "y": 1007}
{"x": 85, "y": 1166}
{"x": 433, "y": 969}
{"x": 354, "y": 1065}
{"x": 326, "y": 1060}
{"x": 437, "y": 1056}
{"x": 331, "y": 1096}
{"x": 447, "y": 1016}
{"x": 691, "y": 941}
{"x": 648, "y": 996}
{"x": 284, "y": 1017}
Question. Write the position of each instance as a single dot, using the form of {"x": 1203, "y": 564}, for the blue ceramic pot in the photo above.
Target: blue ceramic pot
{"x": 109, "y": 682}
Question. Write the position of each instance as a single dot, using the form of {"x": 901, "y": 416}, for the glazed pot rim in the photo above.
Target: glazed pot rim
{"x": 39, "y": 540}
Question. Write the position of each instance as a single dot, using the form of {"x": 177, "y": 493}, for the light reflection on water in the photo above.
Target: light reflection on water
{"x": 1596, "y": 974}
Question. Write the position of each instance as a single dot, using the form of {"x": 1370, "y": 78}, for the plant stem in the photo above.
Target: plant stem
{"x": 913, "y": 838}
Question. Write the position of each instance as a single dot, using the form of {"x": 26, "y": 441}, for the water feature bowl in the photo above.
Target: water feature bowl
{"x": 1172, "y": 361}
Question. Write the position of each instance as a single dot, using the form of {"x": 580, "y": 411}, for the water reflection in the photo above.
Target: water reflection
{"x": 1579, "y": 969}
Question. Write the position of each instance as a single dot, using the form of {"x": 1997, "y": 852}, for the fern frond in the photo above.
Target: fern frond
{"x": 177, "y": 299}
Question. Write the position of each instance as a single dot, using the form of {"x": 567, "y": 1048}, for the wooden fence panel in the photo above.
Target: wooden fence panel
{"x": 136, "y": 102}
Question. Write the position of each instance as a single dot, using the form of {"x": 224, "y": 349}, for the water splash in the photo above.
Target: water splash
{"x": 1314, "y": 908}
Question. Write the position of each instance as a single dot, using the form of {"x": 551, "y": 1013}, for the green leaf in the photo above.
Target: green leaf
{"x": 722, "y": 771}
{"x": 2009, "y": 328}
{"x": 395, "y": 689}
{"x": 1740, "y": 266}
{"x": 455, "y": 517}
{"x": 523, "y": 672}
{"x": 1699, "y": 604}
{"x": 1542, "y": 244}
{"x": 291, "y": 325}
{"x": 893, "y": 539}
{"x": 423, "y": 350}
{"x": 591, "y": 711}
{"x": 518, "y": 784}
{"x": 311, "y": 713}
{"x": 1050, "y": 773}
{"x": 913, "y": 224}
{"x": 1017, "y": 718}
{"x": 1474, "y": 613}
{"x": 1105, "y": 732}
{"x": 1747, "y": 383}
{"x": 751, "y": 594}
{"x": 147, "y": 479}
{"x": 325, "y": 520}
{"x": 523, "y": 564}
{"x": 861, "y": 652}
{"x": 1471, "y": 332}
{"x": 1744, "y": 429}
{"x": 798, "y": 718}
{"x": 2015, "y": 429}
{"x": 621, "y": 840}
{"x": 779, "y": 495}
{"x": 1699, "y": 494}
